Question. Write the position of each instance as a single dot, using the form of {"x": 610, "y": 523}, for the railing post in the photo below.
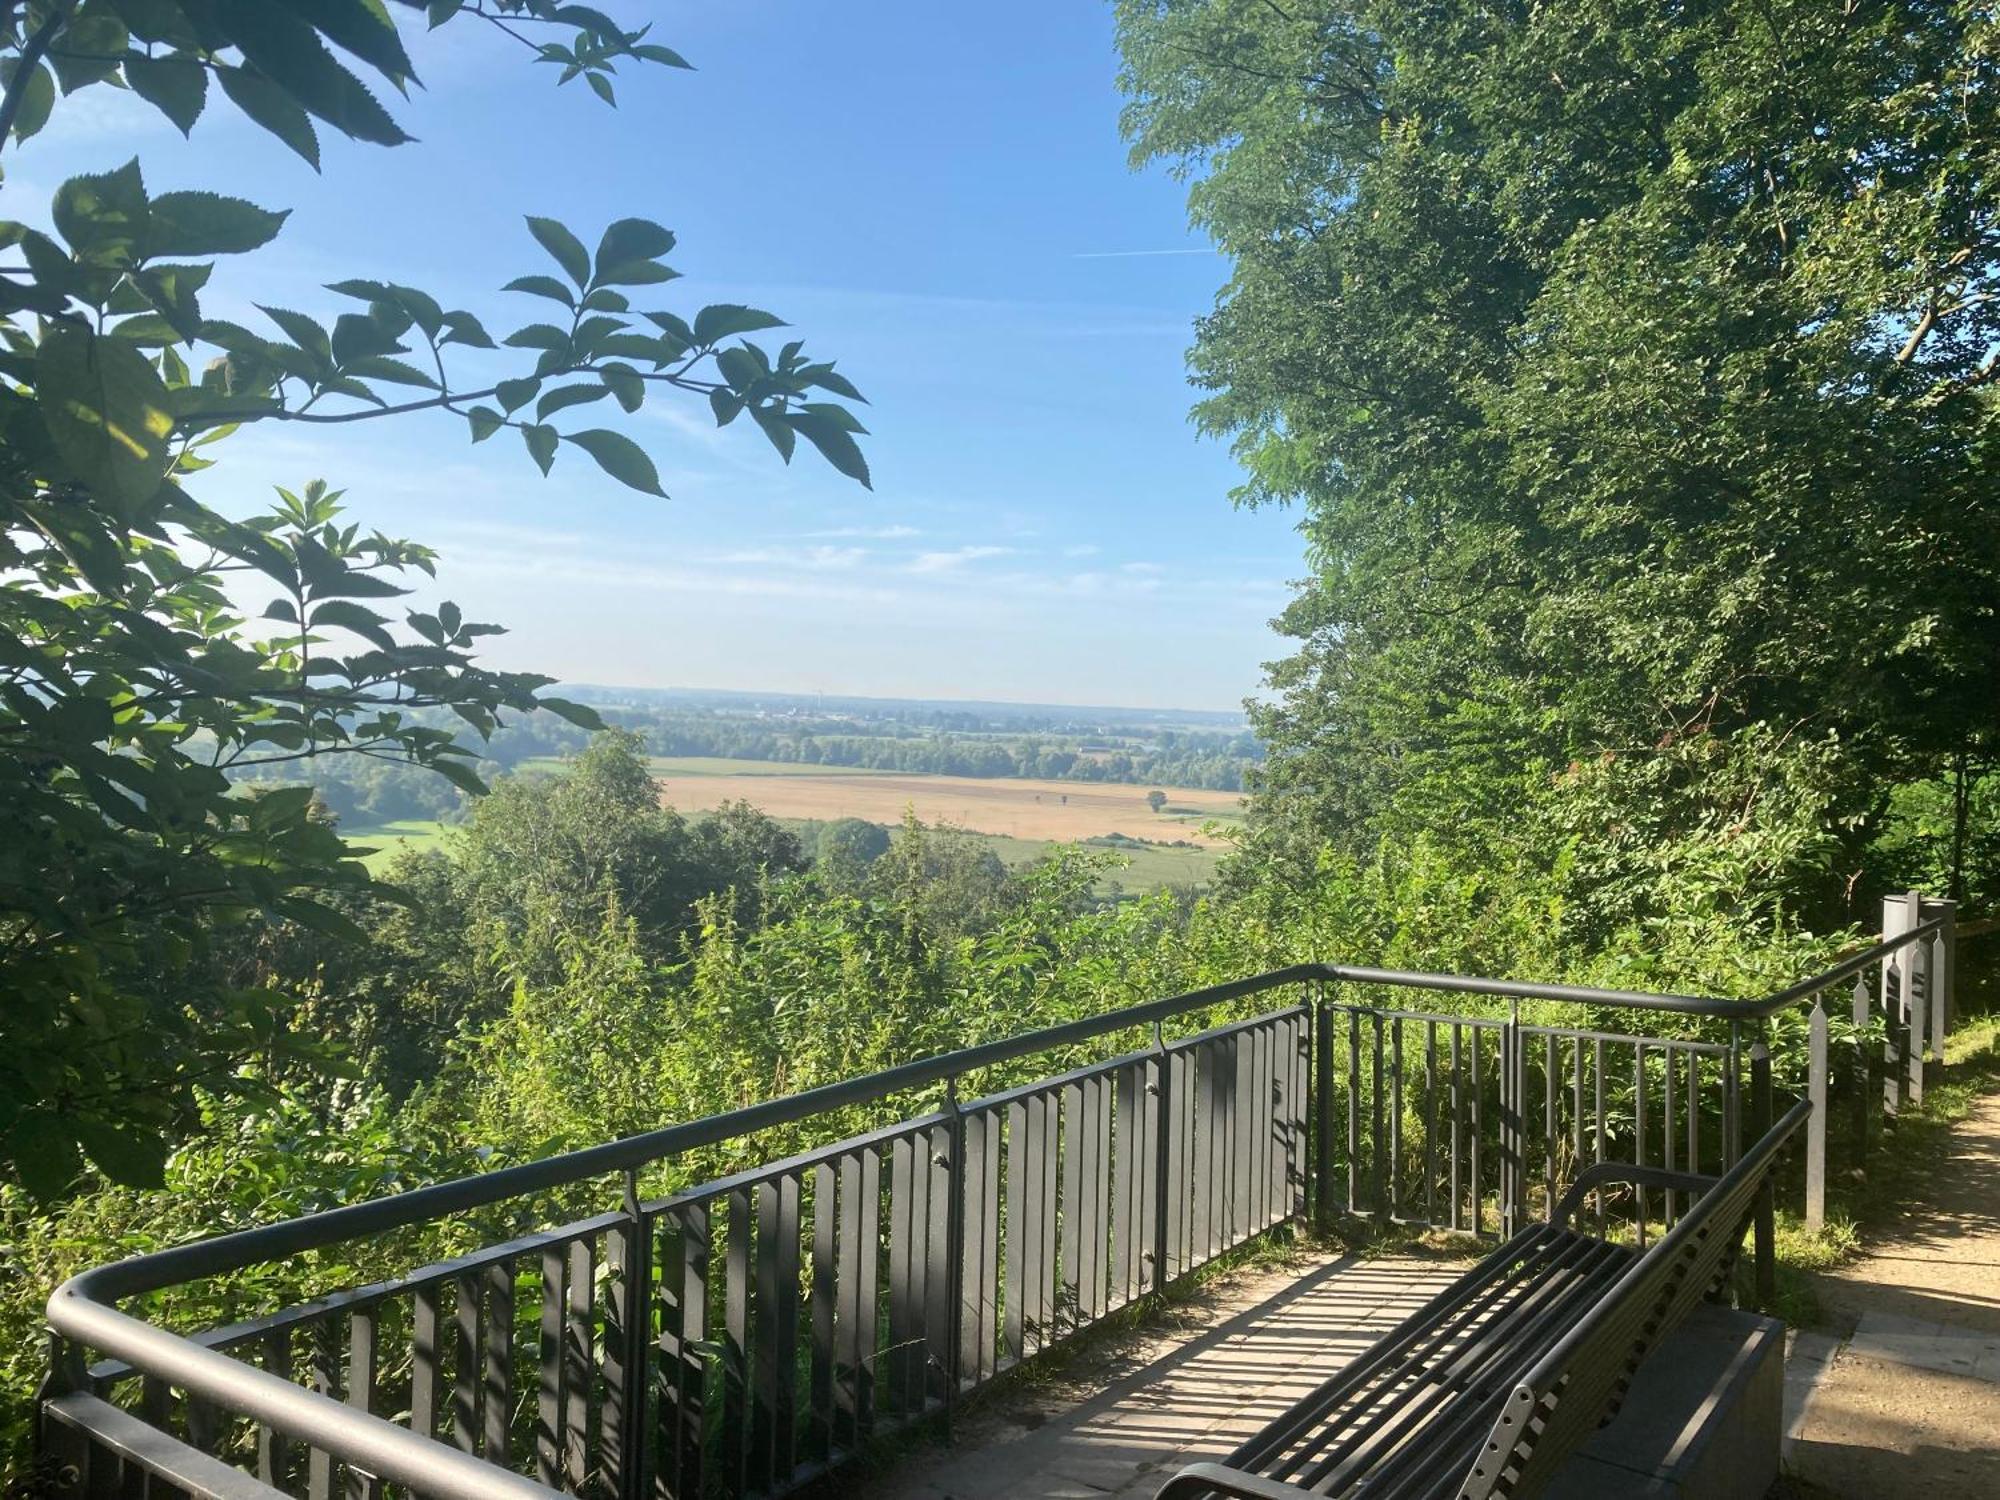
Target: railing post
{"x": 954, "y": 1370}
{"x": 1324, "y": 1077}
{"x": 1163, "y": 1136}
{"x": 1816, "y": 1125}
{"x": 1765, "y": 1231}
{"x": 1898, "y": 916}
{"x": 1916, "y": 1006}
{"x": 1944, "y": 974}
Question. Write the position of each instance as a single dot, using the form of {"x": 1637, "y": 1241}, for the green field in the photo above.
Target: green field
{"x": 390, "y": 839}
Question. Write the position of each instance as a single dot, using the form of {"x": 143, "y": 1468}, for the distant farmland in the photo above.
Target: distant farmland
{"x": 1018, "y": 818}
{"x": 1036, "y": 811}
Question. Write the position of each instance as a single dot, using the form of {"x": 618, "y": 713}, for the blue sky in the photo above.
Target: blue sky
{"x": 935, "y": 195}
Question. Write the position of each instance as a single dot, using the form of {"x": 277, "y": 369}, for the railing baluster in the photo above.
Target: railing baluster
{"x": 323, "y": 1376}
{"x": 1551, "y": 1076}
{"x": 1457, "y": 1106}
{"x": 1069, "y": 1295}
{"x": 906, "y": 1188}
{"x": 1694, "y": 1120}
{"x": 1375, "y": 1102}
{"x": 1478, "y": 1133}
{"x": 940, "y": 1296}
{"x": 1639, "y": 1131}
{"x": 983, "y": 1204}
{"x": 1667, "y": 1136}
{"x": 363, "y": 1366}
{"x": 1353, "y": 1111}
{"x": 1202, "y": 1151}
{"x": 1127, "y": 1223}
{"x": 1092, "y": 1170}
{"x": 1014, "y": 1299}
{"x": 733, "y": 1439}
{"x": 1396, "y": 1118}
{"x": 686, "y": 1271}
{"x": 274, "y": 1449}
{"x": 1597, "y": 1072}
{"x": 549, "y": 1386}
{"x": 465, "y": 1364}
{"x": 579, "y": 1364}
{"x": 1576, "y": 1109}
{"x": 499, "y": 1382}
{"x": 825, "y": 1249}
{"x": 1430, "y": 1121}
{"x": 761, "y": 1466}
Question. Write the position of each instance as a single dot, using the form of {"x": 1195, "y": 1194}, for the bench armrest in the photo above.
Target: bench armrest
{"x": 1218, "y": 1479}
{"x": 1603, "y": 1172}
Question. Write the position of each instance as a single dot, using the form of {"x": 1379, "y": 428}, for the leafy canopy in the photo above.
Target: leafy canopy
{"x": 131, "y": 684}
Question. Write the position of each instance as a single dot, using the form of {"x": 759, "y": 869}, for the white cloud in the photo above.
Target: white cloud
{"x": 873, "y": 533}
{"x": 946, "y": 562}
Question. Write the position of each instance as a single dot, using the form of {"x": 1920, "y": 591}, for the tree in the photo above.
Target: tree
{"x": 1156, "y": 800}
{"x": 1634, "y": 369}
{"x": 846, "y": 847}
{"x": 130, "y": 685}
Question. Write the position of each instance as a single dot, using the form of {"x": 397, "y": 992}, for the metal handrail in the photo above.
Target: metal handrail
{"x": 84, "y": 1311}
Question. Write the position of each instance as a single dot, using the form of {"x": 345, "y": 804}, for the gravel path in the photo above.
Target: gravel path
{"x": 1908, "y": 1403}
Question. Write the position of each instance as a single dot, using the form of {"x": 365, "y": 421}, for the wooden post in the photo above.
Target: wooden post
{"x": 1898, "y": 916}
{"x": 1816, "y": 1126}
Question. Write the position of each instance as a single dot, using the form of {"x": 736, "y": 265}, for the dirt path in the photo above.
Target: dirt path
{"x": 1904, "y": 1397}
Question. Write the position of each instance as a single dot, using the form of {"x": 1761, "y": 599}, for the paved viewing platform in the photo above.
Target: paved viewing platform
{"x": 1190, "y": 1385}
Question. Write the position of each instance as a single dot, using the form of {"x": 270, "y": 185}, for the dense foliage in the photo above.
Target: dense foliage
{"x": 131, "y": 683}
{"x": 1634, "y": 369}
{"x": 578, "y": 963}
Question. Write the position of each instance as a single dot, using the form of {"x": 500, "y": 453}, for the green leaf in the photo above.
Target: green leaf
{"x": 601, "y": 86}
{"x": 107, "y": 412}
{"x": 271, "y": 107}
{"x": 575, "y": 713}
{"x": 322, "y": 919}
{"x": 835, "y": 444}
{"x": 464, "y": 328}
{"x": 636, "y": 273}
{"x": 542, "y": 286}
{"x": 620, "y": 457}
{"x": 363, "y": 28}
{"x": 541, "y": 443}
{"x": 131, "y": 1157}
{"x": 632, "y": 239}
{"x": 103, "y": 216}
{"x": 286, "y": 50}
{"x": 459, "y": 775}
{"x": 301, "y": 330}
{"x": 38, "y": 98}
{"x": 626, "y": 385}
{"x": 42, "y": 1148}
{"x": 724, "y": 319}
{"x": 360, "y": 619}
{"x": 514, "y": 394}
{"x": 564, "y": 246}
{"x": 653, "y": 52}
{"x": 196, "y": 223}
{"x": 564, "y": 397}
{"x": 176, "y": 85}
{"x": 484, "y": 421}
{"x": 774, "y": 426}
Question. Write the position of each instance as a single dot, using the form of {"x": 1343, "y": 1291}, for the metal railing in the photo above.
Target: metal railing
{"x": 748, "y": 1333}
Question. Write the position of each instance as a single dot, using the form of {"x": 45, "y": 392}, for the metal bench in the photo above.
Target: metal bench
{"x": 1490, "y": 1386}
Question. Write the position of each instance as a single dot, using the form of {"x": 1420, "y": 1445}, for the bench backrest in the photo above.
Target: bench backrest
{"x": 1575, "y": 1386}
